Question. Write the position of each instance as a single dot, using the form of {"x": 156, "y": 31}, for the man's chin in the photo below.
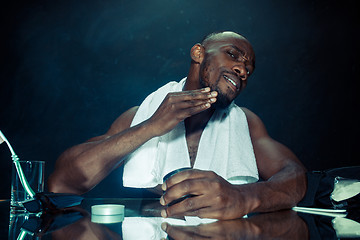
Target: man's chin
{"x": 221, "y": 104}
{"x": 222, "y": 101}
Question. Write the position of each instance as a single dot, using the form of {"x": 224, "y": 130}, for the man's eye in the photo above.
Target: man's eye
{"x": 232, "y": 55}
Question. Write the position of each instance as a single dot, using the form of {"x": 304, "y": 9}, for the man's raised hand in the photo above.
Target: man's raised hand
{"x": 178, "y": 106}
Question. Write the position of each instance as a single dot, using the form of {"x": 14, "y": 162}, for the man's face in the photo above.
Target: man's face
{"x": 227, "y": 64}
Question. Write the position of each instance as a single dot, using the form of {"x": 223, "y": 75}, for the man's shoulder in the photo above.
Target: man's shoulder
{"x": 246, "y": 111}
{"x": 256, "y": 126}
{"x": 243, "y": 113}
{"x": 249, "y": 114}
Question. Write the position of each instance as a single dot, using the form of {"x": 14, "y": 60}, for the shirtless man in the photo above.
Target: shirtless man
{"x": 83, "y": 166}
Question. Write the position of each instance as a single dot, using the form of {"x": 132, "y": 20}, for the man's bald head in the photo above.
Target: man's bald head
{"x": 216, "y": 37}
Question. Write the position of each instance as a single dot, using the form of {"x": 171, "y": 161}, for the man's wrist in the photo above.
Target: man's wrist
{"x": 148, "y": 129}
{"x": 249, "y": 193}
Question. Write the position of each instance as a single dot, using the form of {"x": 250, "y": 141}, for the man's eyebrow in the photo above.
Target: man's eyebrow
{"x": 238, "y": 49}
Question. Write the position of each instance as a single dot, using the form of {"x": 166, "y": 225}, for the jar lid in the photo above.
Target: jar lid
{"x": 107, "y": 209}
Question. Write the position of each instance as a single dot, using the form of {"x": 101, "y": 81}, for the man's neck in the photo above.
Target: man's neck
{"x": 198, "y": 122}
{"x": 192, "y": 79}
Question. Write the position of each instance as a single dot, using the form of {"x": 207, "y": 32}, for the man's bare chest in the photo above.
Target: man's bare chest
{"x": 193, "y": 145}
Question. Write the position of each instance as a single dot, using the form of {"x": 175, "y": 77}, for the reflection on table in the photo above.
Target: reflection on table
{"x": 142, "y": 220}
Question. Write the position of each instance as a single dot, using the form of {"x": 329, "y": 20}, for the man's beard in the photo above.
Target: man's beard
{"x": 222, "y": 100}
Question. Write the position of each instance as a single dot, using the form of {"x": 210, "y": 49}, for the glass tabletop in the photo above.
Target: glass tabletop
{"x": 141, "y": 220}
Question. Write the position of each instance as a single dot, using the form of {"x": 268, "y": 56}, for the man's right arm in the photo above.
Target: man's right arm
{"x": 83, "y": 166}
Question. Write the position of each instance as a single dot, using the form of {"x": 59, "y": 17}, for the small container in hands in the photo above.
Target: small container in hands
{"x": 169, "y": 175}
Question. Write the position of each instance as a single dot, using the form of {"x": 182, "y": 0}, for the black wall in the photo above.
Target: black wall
{"x": 69, "y": 68}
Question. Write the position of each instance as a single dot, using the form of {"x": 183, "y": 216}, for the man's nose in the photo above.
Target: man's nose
{"x": 241, "y": 71}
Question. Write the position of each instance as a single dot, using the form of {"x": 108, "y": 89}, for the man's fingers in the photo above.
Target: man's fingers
{"x": 194, "y": 108}
{"x": 182, "y": 209}
{"x": 189, "y": 207}
{"x": 186, "y": 175}
{"x": 195, "y": 185}
{"x": 192, "y": 95}
{"x": 189, "y": 187}
{"x": 178, "y": 106}
{"x": 189, "y": 103}
{"x": 193, "y": 103}
{"x": 199, "y": 206}
{"x": 201, "y": 90}
{"x": 189, "y": 108}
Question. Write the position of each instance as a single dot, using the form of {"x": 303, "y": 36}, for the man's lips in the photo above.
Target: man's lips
{"x": 233, "y": 82}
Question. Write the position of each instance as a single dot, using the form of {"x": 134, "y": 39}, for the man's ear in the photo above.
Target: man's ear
{"x": 197, "y": 53}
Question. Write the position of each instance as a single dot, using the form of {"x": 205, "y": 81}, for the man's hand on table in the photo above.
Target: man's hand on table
{"x": 214, "y": 197}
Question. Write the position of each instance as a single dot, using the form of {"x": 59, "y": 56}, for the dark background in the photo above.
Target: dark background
{"x": 69, "y": 68}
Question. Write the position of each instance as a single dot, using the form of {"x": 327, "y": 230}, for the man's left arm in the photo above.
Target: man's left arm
{"x": 284, "y": 175}
{"x": 283, "y": 187}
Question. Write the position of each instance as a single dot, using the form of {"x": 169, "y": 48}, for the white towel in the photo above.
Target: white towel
{"x": 225, "y": 146}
